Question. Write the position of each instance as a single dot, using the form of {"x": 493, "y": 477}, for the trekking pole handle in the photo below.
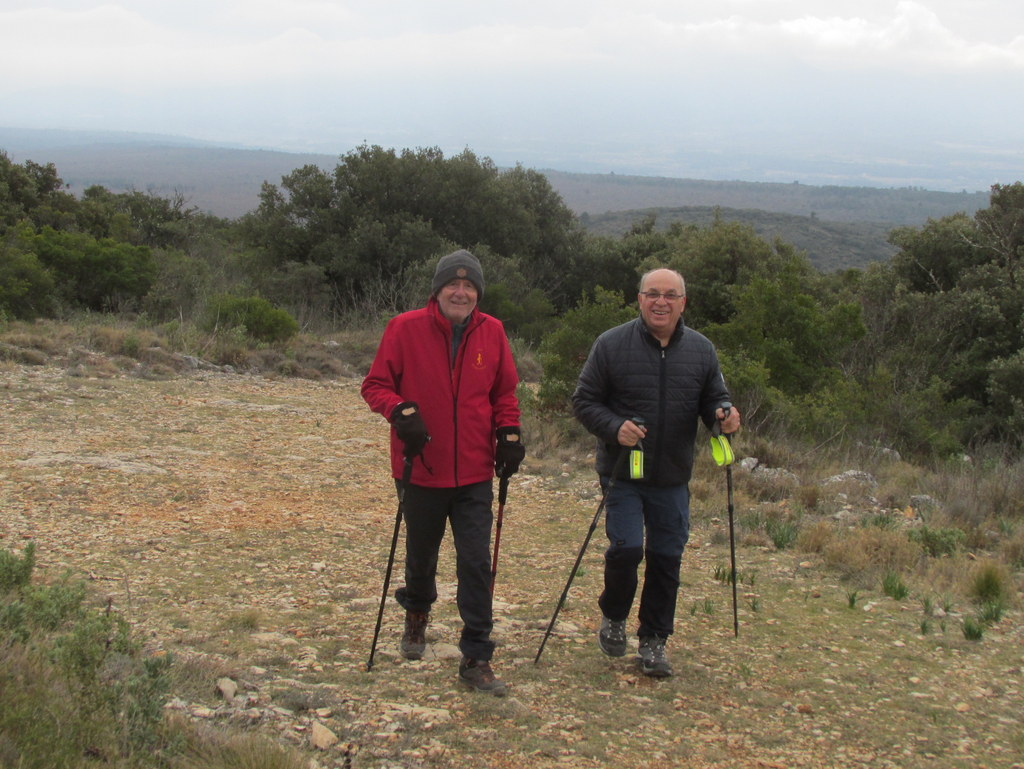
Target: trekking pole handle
{"x": 716, "y": 429}
{"x": 639, "y": 422}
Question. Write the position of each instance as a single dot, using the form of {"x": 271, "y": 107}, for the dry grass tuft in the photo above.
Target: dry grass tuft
{"x": 862, "y": 555}
{"x": 816, "y": 537}
{"x": 208, "y": 747}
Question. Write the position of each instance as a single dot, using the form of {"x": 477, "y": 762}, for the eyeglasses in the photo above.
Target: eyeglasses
{"x": 669, "y": 296}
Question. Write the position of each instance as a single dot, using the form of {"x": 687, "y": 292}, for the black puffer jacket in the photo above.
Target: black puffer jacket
{"x": 629, "y": 374}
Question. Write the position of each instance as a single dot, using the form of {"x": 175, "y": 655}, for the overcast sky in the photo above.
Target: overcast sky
{"x": 765, "y": 89}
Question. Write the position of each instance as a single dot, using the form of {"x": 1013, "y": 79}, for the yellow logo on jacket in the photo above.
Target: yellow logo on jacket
{"x": 478, "y": 359}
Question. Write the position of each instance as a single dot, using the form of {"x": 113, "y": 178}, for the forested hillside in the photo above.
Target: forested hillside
{"x": 924, "y": 351}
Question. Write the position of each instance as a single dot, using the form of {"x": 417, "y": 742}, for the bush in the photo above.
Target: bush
{"x": 26, "y": 286}
{"x": 74, "y": 683}
{"x": 938, "y": 541}
{"x": 259, "y": 319}
{"x": 564, "y": 351}
{"x": 15, "y": 572}
{"x": 94, "y": 274}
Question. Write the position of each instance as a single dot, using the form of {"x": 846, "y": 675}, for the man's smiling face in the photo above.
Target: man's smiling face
{"x": 457, "y": 299}
{"x": 662, "y": 299}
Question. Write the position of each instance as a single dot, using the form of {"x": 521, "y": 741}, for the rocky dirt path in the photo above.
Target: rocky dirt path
{"x": 243, "y": 525}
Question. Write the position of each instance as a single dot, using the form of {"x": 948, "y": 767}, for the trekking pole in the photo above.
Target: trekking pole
{"x": 590, "y": 532}
{"x": 406, "y": 474}
{"x": 732, "y": 553}
{"x": 722, "y": 453}
{"x": 502, "y": 496}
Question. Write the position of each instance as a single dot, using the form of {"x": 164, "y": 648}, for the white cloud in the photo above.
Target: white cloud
{"x": 913, "y": 39}
{"x": 636, "y": 73}
{"x": 149, "y": 44}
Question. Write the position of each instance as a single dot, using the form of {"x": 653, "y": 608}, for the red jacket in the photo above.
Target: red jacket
{"x": 462, "y": 403}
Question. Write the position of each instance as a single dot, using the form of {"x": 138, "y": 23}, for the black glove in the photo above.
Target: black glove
{"x": 509, "y": 452}
{"x": 409, "y": 427}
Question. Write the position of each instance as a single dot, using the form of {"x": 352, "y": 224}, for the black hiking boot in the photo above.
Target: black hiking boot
{"x": 477, "y": 674}
{"x": 414, "y": 640}
{"x": 652, "y": 658}
{"x": 612, "y": 637}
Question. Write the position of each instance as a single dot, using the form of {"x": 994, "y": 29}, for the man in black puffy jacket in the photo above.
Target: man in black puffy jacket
{"x": 644, "y": 386}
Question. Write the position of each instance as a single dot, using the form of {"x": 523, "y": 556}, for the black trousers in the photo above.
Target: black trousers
{"x": 427, "y": 512}
{"x": 644, "y": 523}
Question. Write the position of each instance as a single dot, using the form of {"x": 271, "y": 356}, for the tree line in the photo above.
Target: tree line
{"x": 923, "y": 352}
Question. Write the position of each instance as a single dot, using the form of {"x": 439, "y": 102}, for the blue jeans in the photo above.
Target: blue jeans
{"x": 651, "y": 522}
{"x": 427, "y": 513}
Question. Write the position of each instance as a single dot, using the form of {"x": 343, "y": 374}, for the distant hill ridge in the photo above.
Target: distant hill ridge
{"x": 226, "y": 180}
{"x": 601, "y": 193}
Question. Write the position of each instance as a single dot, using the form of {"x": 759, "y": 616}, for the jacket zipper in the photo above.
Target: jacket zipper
{"x": 662, "y": 386}
{"x": 452, "y": 366}
{"x": 456, "y": 365}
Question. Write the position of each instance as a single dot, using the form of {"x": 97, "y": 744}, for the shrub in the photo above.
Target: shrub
{"x": 564, "y": 351}
{"x": 74, "y": 682}
{"x": 260, "y": 320}
{"x": 96, "y": 274}
{"x": 26, "y": 286}
{"x": 938, "y": 541}
{"x": 15, "y": 572}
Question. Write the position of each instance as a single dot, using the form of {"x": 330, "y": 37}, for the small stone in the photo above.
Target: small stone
{"x": 228, "y": 688}
{"x": 321, "y": 737}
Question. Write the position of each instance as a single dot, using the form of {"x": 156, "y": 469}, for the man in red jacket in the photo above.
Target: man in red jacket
{"x": 445, "y": 379}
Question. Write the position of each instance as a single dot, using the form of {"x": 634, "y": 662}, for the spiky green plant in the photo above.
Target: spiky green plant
{"x": 894, "y": 587}
{"x": 973, "y": 630}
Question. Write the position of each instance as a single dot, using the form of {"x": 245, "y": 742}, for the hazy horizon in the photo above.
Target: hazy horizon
{"x": 865, "y": 93}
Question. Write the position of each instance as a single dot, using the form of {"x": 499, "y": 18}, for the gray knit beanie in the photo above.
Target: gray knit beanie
{"x": 460, "y": 264}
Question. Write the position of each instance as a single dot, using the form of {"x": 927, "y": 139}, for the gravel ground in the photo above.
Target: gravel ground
{"x": 243, "y": 525}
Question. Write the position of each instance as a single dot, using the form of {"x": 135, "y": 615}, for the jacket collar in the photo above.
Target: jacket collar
{"x": 653, "y": 340}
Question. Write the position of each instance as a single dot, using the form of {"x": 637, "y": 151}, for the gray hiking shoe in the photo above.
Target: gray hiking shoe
{"x": 612, "y": 637}
{"x": 414, "y": 640}
{"x": 477, "y": 674}
{"x": 652, "y": 658}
